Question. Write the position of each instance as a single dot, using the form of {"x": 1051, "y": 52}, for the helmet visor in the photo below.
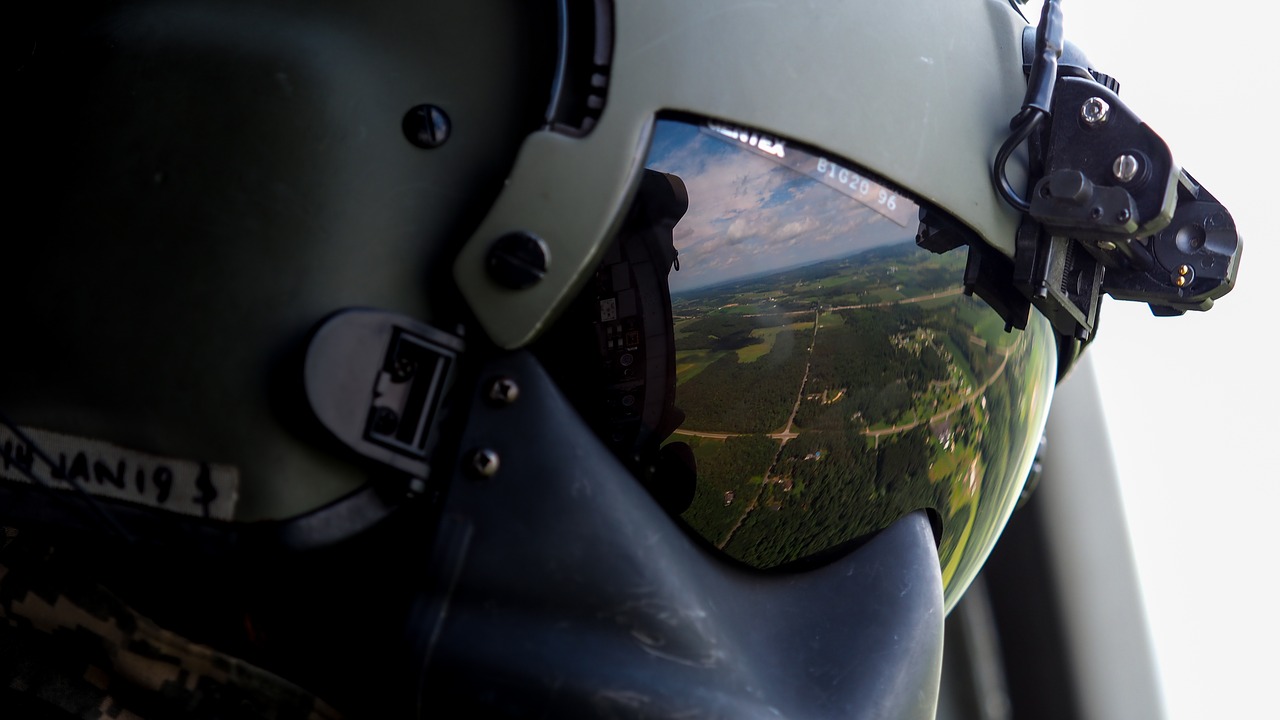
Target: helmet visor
{"x": 832, "y": 375}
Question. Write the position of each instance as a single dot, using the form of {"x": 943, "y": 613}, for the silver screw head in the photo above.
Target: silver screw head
{"x": 1125, "y": 168}
{"x": 1095, "y": 111}
{"x": 504, "y": 391}
{"x": 484, "y": 463}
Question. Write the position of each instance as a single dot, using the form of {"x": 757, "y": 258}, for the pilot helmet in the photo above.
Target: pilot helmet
{"x": 601, "y": 357}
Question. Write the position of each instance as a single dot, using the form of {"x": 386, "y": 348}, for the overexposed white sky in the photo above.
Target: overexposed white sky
{"x": 1191, "y": 402}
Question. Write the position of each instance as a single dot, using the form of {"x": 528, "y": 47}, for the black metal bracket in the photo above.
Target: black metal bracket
{"x": 1108, "y": 210}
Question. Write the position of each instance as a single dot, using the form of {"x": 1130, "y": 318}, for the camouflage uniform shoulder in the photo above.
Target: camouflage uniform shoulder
{"x": 70, "y": 648}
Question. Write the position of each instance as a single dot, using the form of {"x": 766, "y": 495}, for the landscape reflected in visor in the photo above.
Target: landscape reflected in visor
{"x": 833, "y": 375}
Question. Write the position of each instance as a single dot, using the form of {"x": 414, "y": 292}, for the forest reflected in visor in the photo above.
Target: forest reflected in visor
{"x": 818, "y": 373}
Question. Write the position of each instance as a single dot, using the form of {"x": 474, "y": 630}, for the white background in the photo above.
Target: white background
{"x": 1191, "y": 402}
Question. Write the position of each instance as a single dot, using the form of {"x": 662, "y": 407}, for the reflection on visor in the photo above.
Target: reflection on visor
{"x": 830, "y": 376}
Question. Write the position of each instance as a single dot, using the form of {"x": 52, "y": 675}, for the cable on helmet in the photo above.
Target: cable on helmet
{"x": 1037, "y": 102}
{"x": 1106, "y": 204}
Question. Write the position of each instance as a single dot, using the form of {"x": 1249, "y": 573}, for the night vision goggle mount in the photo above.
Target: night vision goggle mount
{"x": 1108, "y": 211}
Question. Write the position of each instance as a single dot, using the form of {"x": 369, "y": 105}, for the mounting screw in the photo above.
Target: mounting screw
{"x": 504, "y": 391}
{"x": 1125, "y": 168}
{"x": 403, "y": 369}
{"x": 1123, "y": 216}
{"x": 517, "y": 260}
{"x": 484, "y": 463}
{"x": 1095, "y": 111}
{"x": 426, "y": 126}
{"x": 385, "y": 421}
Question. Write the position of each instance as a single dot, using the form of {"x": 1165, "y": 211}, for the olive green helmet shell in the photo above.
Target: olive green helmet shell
{"x": 918, "y": 93}
{"x": 204, "y": 184}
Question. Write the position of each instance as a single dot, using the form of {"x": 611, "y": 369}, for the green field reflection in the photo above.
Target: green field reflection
{"x": 829, "y": 390}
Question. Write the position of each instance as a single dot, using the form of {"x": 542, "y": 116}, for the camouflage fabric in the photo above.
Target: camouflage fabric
{"x": 72, "y": 649}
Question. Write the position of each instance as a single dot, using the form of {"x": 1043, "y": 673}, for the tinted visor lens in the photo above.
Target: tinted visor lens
{"x": 832, "y": 375}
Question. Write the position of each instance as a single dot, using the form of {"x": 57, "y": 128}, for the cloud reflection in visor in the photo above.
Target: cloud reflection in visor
{"x": 833, "y": 376}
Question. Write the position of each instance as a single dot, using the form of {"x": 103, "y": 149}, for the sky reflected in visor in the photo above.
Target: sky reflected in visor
{"x": 833, "y": 375}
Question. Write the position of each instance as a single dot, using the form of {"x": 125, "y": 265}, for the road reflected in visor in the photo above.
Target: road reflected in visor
{"x": 830, "y": 376}
{"x": 773, "y": 356}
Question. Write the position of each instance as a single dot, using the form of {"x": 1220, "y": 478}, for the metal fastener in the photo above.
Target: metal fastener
{"x": 1125, "y": 168}
{"x": 403, "y": 369}
{"x": 504, "y": 391}
{"x": 1095, "y": 111}
{"x": 384, "y": 421}
{"x": 518, "y": 260}
{"x": 426, "y": 126}
{"x": 484, "y": 463}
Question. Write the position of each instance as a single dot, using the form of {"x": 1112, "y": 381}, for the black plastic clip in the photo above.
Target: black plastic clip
{"x": 376, "y": 380}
